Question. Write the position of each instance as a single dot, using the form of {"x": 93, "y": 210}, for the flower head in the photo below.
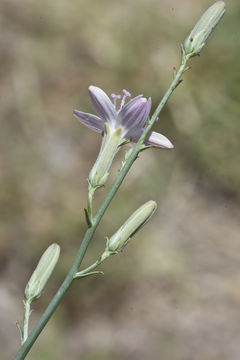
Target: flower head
{"x": 118, "y": 124}
{"x": 131, "y": 117}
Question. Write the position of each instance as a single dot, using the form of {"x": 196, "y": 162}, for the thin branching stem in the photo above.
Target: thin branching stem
{"x": 91, "y": 230}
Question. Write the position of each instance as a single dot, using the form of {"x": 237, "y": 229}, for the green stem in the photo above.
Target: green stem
{"x": 86, "y": 271}
{"x": 176, "y": 81}
{"x": 90, "y": 232}
{"x": 27, "y": 314}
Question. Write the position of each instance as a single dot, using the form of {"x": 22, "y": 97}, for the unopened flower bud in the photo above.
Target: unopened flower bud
{"x": 42, "y": 273}
{"x": 195, "y": 41}
{"x": 120, "y": 239}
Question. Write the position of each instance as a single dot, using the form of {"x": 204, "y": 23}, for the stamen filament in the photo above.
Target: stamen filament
{"x": 125, "y": 95}
{"x": 115, "y": 97}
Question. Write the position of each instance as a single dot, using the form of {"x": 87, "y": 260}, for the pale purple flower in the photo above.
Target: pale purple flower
{"x": 130, "y": 117}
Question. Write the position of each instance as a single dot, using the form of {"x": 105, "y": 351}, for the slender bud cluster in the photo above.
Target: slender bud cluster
{"x": 42, "y": 273}
{"x": 195, "y": 41}
{"x": 139, "y": 218}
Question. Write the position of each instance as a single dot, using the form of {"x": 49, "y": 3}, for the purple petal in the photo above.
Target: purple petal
{"x": 134, "y": 115}
{"x": 154, "y": 139}
{"x": 158, "y": 140}
{"x": 125, "y": 109}
{"x": 91, "y": 121}
{"x": 102, "y": 104}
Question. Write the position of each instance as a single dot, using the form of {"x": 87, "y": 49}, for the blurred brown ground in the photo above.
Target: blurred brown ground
{"x": 174, "y": 293}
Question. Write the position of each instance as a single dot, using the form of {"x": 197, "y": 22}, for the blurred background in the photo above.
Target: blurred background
{"x": 174, "y": 293}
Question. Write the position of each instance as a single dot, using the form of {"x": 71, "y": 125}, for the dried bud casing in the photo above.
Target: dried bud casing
{"x": 120, "y": 239}
{"x": 195, "y": 41}
{"x": 42, "y": 273}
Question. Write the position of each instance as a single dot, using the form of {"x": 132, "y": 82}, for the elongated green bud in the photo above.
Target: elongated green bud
{"x": 120, "y": 239}
{"x": 42, "y": 273}
{"x": 195, "y": 41}
{"x": 99, "y": 173}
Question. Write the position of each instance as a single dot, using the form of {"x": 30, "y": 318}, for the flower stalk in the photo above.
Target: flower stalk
{"x": 138, "y": 111}
{"x": 88, "y": 271}
{"x": 23, "y": 351}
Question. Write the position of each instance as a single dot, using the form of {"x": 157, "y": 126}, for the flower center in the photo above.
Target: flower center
{"x": 118, "y": 97}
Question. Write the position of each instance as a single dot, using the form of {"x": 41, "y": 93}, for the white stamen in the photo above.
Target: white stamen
{"x": 115, "y": 97}
{"x": 125, "y": 95}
